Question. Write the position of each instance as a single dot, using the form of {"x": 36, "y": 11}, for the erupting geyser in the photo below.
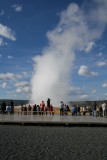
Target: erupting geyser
{"x": 77, "y": 30}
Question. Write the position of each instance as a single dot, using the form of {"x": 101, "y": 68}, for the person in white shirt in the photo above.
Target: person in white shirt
{"x": 104, "y": 108}
{"x": 8, "y": 109}
{"x": 61, "y": 108}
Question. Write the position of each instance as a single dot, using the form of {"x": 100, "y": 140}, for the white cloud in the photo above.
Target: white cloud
{"x": 10, "y": 76}
{"x": 26, "y": 89}
{"x": 105, "y": 94}
{"x": 9, "y": 92}
{"x": 94, "y": 91}
{"x": 17, "y": 7}
{"x": 19, "y": 76}
{"x": 23, "y": 89}
{"x": 7, "y": 32}
{"x": 18, "y": 90}
{"x": 29, "y": 61}
{"x": 22, "y": 83}
{"x": 89, "y": 46}
{"x": 104, "y": 85}
{"x": 100, "y": 54}
{"x": 83, "y": 97}
{"x": 25, "y": 73}
{"x": 101, "y": 63}
{"x": 1, "y": 42}
{"x": 10, "y": 57}
{"x": 75, "y": 91}
{"x": 84, "y": 71}
{"x": 7, "y": 76}
{"x": 4, "y": 85}
{"x": 2, "y": 13}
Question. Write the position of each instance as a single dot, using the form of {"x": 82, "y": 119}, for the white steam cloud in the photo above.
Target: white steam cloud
{"x": 74, "y": 32}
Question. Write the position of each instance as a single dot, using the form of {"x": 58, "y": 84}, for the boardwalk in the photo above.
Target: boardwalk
{"x": 52, "y": 120}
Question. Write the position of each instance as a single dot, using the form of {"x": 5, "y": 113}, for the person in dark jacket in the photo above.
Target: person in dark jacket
{"x": 29, "y": 109}
{"x": 35, "y": 109}
{"x": 3, "y": 108}
{"x": 12, "y": 106}
{"x": 94, "y": 106}
{"x": 78, "y": 110}
{"x": 100, "y": 110}
{"x": 48, "y": 103}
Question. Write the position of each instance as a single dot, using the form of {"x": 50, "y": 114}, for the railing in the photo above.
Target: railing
{"x": 35, "y": 112}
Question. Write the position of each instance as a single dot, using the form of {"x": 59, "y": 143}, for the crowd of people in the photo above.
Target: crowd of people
{"x": 93, "y": 110}
{"x": 38, "y": 109}
{"x": 7, "y": 108}
{"x": 64, "y": 109}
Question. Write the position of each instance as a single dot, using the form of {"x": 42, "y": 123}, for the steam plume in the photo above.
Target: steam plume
{"x": 77, "y": 30}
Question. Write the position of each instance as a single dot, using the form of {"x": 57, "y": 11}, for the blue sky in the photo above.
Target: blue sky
{"x": 26, "y": 27}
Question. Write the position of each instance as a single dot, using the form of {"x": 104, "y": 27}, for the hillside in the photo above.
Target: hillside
{"x": 16, "y": 102}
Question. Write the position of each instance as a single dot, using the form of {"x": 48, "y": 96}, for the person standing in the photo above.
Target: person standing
{"x": 100, "y": 110}
{"x": 3, "y": 107}
{"x": 48, "y": 103}
{"x": 84, "y": 110}
{"x": 61, "y": 108}
{"x": 29, "y": 109}
{"x": 21, "y": 108}
{"x": 12, "y": 106}
{"x": 78, "y": 109}
{"x": 8, "y": 109}
{"x": 38, "y": 109}
{"x": 35, "y": 109}
{"x": 73, "y": 110}
{"x": 104, "y": 109}
{"x": 51, "y": 109}
{"x": 94, "y": 105}
{"x": 42, "y": 107}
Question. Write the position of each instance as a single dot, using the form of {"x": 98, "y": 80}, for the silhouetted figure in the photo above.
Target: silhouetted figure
{"x": 78, "y": 109}
{"x": 29, "y": 109}
{"x": 34, "y": 109}
{"x": 66, "y": 109}
{"x": 100, "y": 110}
{"x": 3, "y": 107}
{"x": 12, "y": 106}
{"x": 48, "y": 103}
{"x": 25, "y": 109}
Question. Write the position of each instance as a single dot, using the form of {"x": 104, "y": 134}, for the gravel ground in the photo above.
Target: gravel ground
{"x": 52, "y": 143}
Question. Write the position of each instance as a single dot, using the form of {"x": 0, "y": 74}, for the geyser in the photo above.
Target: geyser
{"x": 76, "y": 31}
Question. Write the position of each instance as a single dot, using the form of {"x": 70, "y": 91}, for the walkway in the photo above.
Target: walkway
{"x": 53, "y": 120}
